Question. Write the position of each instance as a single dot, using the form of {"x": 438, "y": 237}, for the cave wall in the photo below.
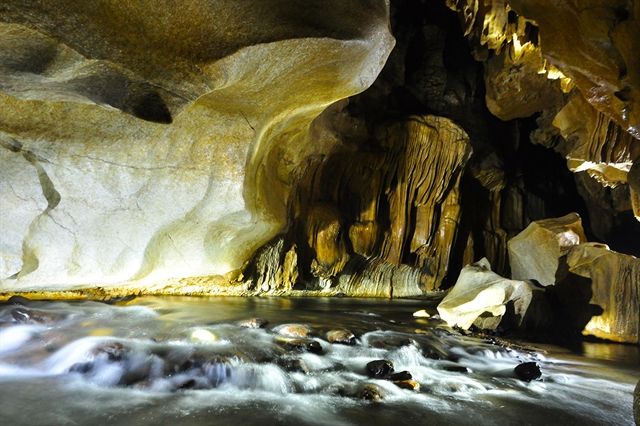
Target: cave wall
{"x": 336, "y": 148}
{"x": 141, "y": 146}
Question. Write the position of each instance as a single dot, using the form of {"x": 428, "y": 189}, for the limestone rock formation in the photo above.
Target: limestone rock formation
{"x": 615, "y": 283}
{"x": 230, "y": 147}
{"x": 595, "y": 44}
{"x": 379, "y": 221}
{"x": 481, "y": 296}
{"x": 595, "y": 143}
{"x": 535, "y": 253}
{"x": 145, "y": 148}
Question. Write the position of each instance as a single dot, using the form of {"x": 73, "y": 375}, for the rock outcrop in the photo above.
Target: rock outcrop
{"x": 481, "y": 296}
{"x": 142, "y": 147}
{"x": 535, "y": 253}
{"x": 380, "y": 222}
{"x": 281, "y": 148}
{"x": 615, "y": 285}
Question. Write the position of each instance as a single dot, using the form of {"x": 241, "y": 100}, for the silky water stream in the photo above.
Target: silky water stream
{"x": 189, "y": 361}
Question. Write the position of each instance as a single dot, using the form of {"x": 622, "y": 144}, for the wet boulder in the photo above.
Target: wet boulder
{"x": 344, "y": 337}
{"x": 302, "y": 345}
{"x": 294, "y": 330}
{"x": 407, "y": 384}
{"x": 528, "y": 371}
{"x": 401, "y": 376}
{"x": 371, "y": 392}
{"x": 379, "y": 368}
{"x": 293, "y": 365}
{"x": 456, "y": 369}
{"x": 481, "y": 296}
{"x": 254, "y": 323}
{"x": 33, "y": 316}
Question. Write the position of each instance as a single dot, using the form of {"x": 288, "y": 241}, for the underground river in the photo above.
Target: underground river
{"x": 212, "y": 361}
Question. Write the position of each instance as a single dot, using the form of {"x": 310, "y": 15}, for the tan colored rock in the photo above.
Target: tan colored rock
{"x": 615, "y": 286}
{"x": 596, "y": 46}
{"x": 633, "y": 177}
{"x": 482, "y": 294}
{"x": 381, "y": 222}
{"x": 407, "y": 384}
{"x": 595, "y": 143}
{"x": 432, "y": 154}
{"x": 516, "y": 78}
{"x": 535, "y": 253}
{"x": 344, "y": 337}
{"x": 294, "y": 330}
{"x": 154, "y": 151}
{"x": 324, "y": 233}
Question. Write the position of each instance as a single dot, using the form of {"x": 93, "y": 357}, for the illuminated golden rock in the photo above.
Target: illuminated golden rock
{"x": 597, "y": 47}
{"x": 480, "y": 296}
{"x": 399, "y": 203}
{"x": 148, "y": 149}
{"x": 615, "y": 283}
{"x": 595, "y": 143}
{"x": 535, "y": 253}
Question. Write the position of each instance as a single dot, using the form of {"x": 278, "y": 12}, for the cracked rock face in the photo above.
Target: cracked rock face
{"x": 140, "y": 146}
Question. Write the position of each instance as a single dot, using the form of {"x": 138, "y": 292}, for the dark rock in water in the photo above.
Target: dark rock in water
{"x": 135, "y": 373}
{"x": 294, "y": 330}
{"x": 81, "y": 367}
{"x": 433, "y": 351}
{"x": 407, "y": 384}
{"x": 391, "y": 343}
{"x": 187, "y": 384}
{"x": 306, "y": 345}
{"x": 344, "y": 337}
{"x": 528, "y": 371}
{"x": 254, "y": 323}
{"x": 636, "y": 404}
{"x": 371, "y": 392}
{"x": 32, "y": 316}
{"x": 20, "y": 315}
{"x": 314, "y": 347}
{"x": 401, "y": 376}
{"x": 18, "y": 300}
{"x": 379, "y": 344}
{"x": 295, "y": 365}
{"x": 379, "y": 368}
{"x": 457, "y": 369}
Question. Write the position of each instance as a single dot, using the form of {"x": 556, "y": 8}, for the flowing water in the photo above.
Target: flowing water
{"x": 162, "y": 360}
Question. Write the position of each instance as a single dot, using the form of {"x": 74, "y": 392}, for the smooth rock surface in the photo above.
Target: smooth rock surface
{"x": 615, "y": 286}
{"x": 143, "y": 149}
{"x": 479, "y": 292}
{"x": 535, "y": 253}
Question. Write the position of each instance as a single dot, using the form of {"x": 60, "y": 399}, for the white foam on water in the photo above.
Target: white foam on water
{"x": 17, "y": 336}
{"x": 190, "y": 376}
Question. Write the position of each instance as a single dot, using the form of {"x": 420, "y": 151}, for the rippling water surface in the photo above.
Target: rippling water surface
{"x": 161, "y": 360}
